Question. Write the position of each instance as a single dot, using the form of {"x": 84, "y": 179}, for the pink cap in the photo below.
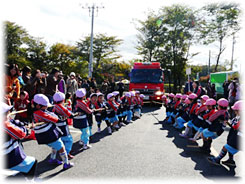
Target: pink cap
{"x": 223, "y": 102}
{"x": 137, "y": 92}
{"x": 128, "y": 94}
{"x": 184, "y": 97}
{"x": 5, "y": 108}
{"x": 164, "y": 97}
{"x": 41, "y": 99}
{"x": 204, "y": 97}
{"x": 115, "y": 93}
{"x": 171, "y": 95}
{"x": 93, "y": 94}
{"x": 237, "y": 106}
{"x": 210, "y": 101}
{"x": 81, "y": 92}
{"x": 178, "y": 95}
{"x": 192, "y": 96}
{"x": 187, "y": 101}
{"x": 100, "y": 94}
{"x": 142, "y": 96}
{"x": 59, "y": 96}
{"x": 132, "y": 93}
{"x": 109, "y": 96}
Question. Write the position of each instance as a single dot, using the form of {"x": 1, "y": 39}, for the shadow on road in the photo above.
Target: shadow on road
{"x": 207, "y": 170}
{"x": 43, "y": 166}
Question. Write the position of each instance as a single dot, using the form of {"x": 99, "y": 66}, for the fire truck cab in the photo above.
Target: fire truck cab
{"x": 148, "y": 78}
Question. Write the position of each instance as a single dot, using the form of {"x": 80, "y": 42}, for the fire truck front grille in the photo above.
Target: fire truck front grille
{"x": 146, "y": 91}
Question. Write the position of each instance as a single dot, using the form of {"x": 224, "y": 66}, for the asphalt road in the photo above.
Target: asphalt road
{"x": 141, "y": 150}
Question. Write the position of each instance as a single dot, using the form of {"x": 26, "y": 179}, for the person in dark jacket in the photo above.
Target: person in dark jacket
{"x": 52, "y": 83}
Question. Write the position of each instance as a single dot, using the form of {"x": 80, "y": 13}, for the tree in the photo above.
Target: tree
{"x": 221, "y": 20}
{"x": 16, "y": 39}
{"x": 104, "y": 51}
{"x": 166, "y": 37}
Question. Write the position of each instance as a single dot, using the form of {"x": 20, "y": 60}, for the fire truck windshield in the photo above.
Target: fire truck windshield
{"x": 146, "y": 76}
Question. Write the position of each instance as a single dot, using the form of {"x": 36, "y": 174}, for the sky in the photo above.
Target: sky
{"x": 66, "y": 21}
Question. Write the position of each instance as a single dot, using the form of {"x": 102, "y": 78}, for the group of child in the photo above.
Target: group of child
{"x": 51, "y": 124}
{"x": 206, "y": 119}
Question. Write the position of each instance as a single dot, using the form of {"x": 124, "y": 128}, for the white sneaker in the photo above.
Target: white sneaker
{"x": 117, "y": 126}
{"x": 109, "y": 130}
{"x": 99, "y": 130}
{"x": 86, "y": 146}
{"x": 81, "y": 143}
{"x": 122, "y": 124}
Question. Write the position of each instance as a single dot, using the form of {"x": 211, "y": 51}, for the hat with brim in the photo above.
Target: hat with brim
{"x": 81, "y": 92}
{"x": 5, "y": 107}
{"x": 41, "y": 99}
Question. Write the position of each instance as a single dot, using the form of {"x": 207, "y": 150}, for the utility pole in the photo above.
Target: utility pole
{"x": 232, "y": 53}
{"x": 209, "y": 62}
{"x": 91, "y": 9}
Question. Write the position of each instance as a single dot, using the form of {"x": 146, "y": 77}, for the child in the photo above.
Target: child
{"x": 120, "y": 109}
{"x": 48, "y": 133}
{"x": 127, "y": 100}
{"x": 63, "y": 114}
{"x": 176, "y": 108}
{"x": 100, "y": 115}
{"x": 142, "y": 97}
{"x": 91, "y": 104}
{"x": 81, "y": 121}
{"x": 14, "y": 154}
{"x": 201, "y": 118}
{"x": 217, "y": 125}
{"x": 133, "y": 103}
{"x": 169, "y": 108}
{"x": 69, "y": 106}
{"x": 200, "y": 111}
{"x": 21, "y": 104}
{"x": 194, "y": 105}
{"x": 112, "y": 111}
{"x": 233, "y": 140}
{"x": 184, "y": 116}
{"x": 137, "y": 108}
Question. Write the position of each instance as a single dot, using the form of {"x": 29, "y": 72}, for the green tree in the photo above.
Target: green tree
{"x": 221, "y": 20}
{"x": 16, "y": 39}
{"x": 104, "y": 51}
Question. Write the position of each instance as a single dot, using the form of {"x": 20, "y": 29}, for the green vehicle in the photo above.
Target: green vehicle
{"x": 219, "y": 78}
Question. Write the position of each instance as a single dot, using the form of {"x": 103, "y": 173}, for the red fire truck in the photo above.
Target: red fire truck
{"x": 148, "y": 78}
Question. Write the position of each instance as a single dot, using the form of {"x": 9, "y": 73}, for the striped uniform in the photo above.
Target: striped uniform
{"x": 63, "y": 113}
{"x": 13, "y": 151}
{"x": 48, "y": 132}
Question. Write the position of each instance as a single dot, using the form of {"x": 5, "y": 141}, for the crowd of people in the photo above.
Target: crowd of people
{"x": 202, "y": 117}
{"x": 44, "y": 112}
{"x": 45, "y": 105}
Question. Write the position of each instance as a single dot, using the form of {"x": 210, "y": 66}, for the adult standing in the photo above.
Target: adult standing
{"x": 105, "y": 86}
{"x": 187, "y": 86}
{"x": 120, "y": 87}
{"x": 72, "y": 84}
{"x": 112, "y": 84}
{"x": 12, "y": 84}
{"x": 52, "y": 84}
{"x": 234, "y": 91}
{"x": 197, "y": 89}
{"x": 30, "y": 80}
{"x": 62, "y": 84}
{"x": 234, "y": 95}
{"x": 226, "y": 91}
{"x": 93, "y": 83}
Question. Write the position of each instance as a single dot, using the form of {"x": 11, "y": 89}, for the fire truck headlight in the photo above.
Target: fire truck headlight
{"x": 158, "y": 93}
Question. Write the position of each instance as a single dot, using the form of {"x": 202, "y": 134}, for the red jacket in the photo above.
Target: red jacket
{"x": 22, "y": 105}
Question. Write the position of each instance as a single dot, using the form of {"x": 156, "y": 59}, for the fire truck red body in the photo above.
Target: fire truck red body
{"x": 148, "y": 78}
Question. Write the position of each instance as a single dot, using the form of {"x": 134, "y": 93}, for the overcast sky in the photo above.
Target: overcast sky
{"x": 66, "y": 21}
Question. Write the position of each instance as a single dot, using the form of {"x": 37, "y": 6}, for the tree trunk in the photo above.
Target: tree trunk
{"x": 219, "y": 54}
